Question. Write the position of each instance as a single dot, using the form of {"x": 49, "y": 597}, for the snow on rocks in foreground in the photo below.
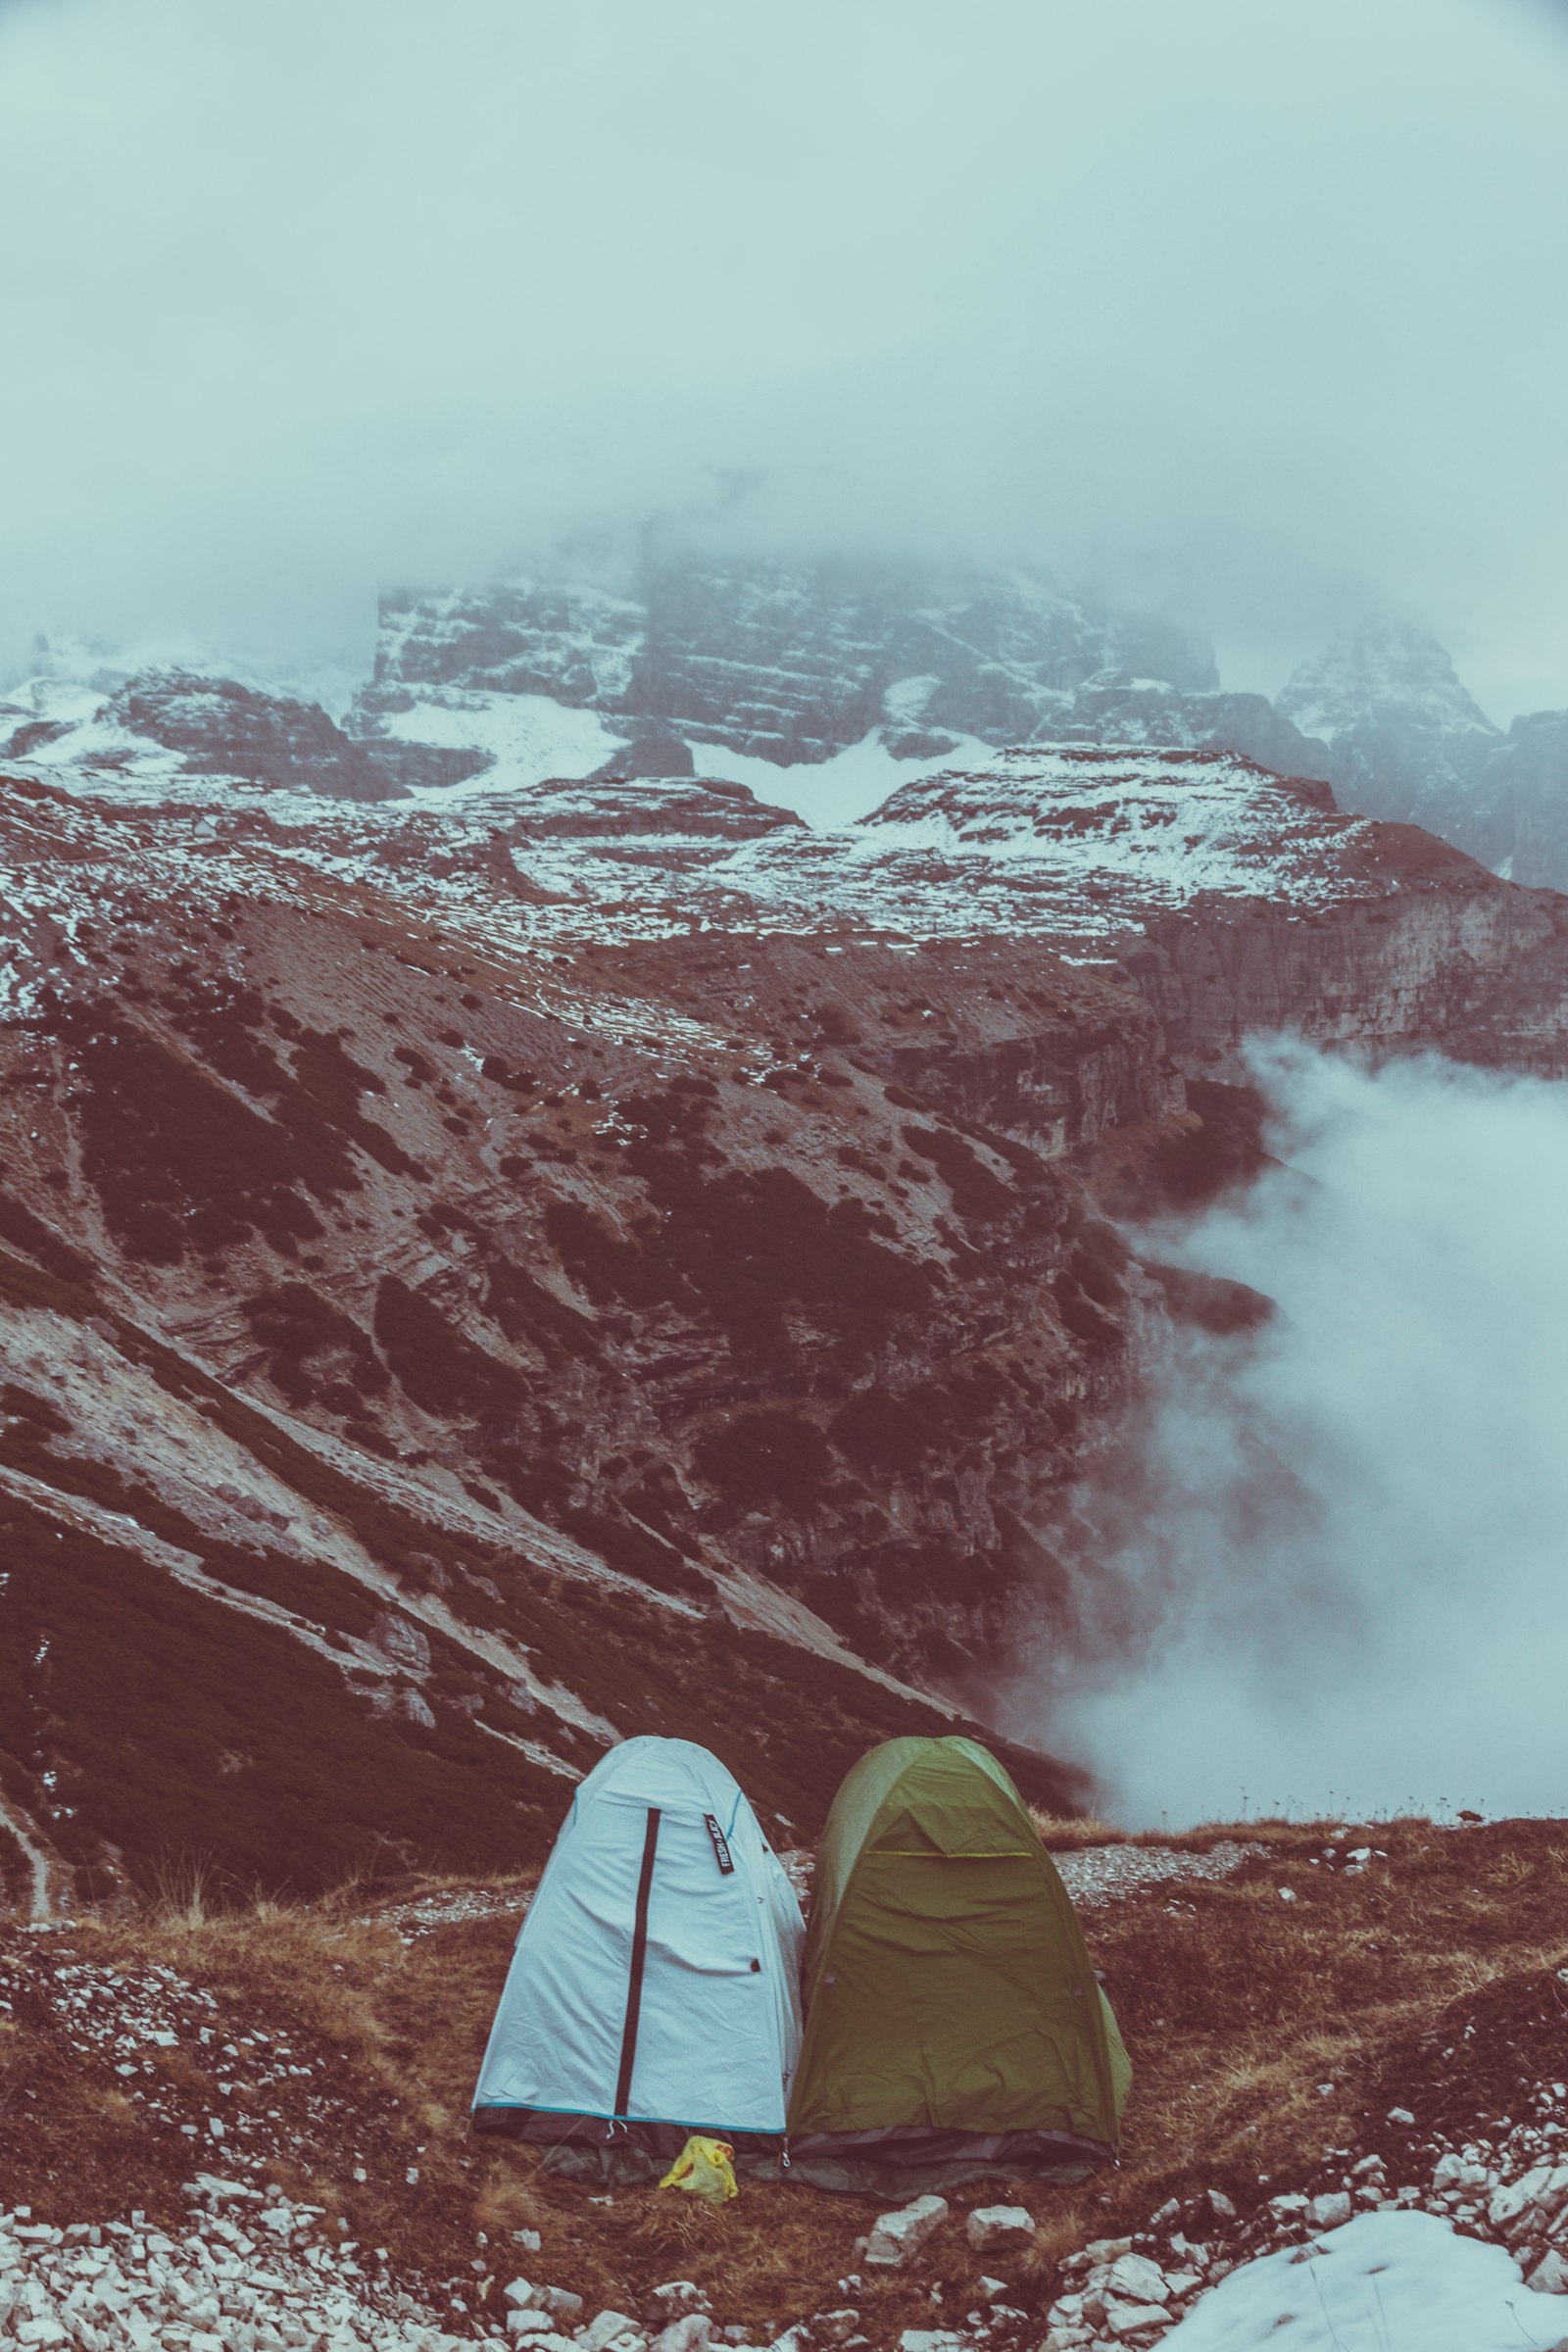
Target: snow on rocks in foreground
{"x": 1386, "y": 2281}
{"x": 1488, "y": 2221}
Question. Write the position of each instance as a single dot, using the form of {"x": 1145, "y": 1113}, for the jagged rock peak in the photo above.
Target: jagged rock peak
{"x": 1404, "y": 739}
{"x": 1380, "y": 667}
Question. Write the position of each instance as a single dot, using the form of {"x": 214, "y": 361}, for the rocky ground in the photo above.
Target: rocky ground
{"x": 245, "y": 2132}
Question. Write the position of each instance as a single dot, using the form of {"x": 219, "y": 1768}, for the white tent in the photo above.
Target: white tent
{"x": 655, "y": 1986}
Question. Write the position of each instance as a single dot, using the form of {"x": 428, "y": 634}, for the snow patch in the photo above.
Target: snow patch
{"x": 1383, "y": 2283}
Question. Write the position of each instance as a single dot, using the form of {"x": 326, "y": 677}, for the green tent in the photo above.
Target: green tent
{"x": 954, "y": 2027}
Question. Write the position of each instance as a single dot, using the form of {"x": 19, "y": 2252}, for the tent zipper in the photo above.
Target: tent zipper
{"x": 639, "y": 1957}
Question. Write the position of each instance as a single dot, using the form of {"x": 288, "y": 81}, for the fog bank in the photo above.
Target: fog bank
{"x": 1333, "y": 1561}
{"x": 1248, "y": 314}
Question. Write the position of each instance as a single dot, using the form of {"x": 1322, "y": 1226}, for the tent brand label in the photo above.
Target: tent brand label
{"x": 722, "y": 1853}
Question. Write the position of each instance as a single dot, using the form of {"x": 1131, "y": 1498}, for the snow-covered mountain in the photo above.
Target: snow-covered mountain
{"x": 785, "y": 663}
{"x": 822, "y": 687}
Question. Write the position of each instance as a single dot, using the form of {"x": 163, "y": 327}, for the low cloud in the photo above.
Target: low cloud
{"x": 1330, "y": 1572}
{"x": 1250, "y": 313}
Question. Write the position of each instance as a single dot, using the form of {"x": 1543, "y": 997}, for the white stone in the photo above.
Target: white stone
{"x": 691, "y": 2333}
{"x": 525, "y": 2322}
{"x": 1550, "y": 2274}
{"x": 678, "y": 2295}
{"x": 1544, "y": 2185}
{"x": 1401, "y": 2115}
{"x": 836, "y": 2326}
{"x": 1331, "y": 2210}
{"x": 1220, "y": 2205}
{"x": 604, "y": 2330}
{"x": 1454, "y": 2172}
{"x": 1137, "y": 2279}
{"x": 1006, "y": 2226}
{"x": 1136, "y": 2318}
{"x": 896, "y": 2236}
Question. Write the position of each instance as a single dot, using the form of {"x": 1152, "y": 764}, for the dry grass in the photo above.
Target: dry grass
{"x": 503, "y": 2206}
{"x": 1238, "y": 2009}
{"x": 1061, "y": 2232}
{"x": 1065, "y": 1833}
{"x": 1068, "y": 1833}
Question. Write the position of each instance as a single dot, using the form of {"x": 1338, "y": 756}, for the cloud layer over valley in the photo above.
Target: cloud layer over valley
{"x": 1337, "y": 1563}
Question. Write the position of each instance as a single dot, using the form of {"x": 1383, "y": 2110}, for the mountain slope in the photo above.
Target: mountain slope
{"x": 485, "y": 1275}
{"x": 427, "y": 1356}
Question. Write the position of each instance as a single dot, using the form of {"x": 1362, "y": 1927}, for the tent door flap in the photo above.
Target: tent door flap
{"x": 639, "y": 1960}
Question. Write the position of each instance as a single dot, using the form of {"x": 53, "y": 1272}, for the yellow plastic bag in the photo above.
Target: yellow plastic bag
{"x": 705, "y": 2168}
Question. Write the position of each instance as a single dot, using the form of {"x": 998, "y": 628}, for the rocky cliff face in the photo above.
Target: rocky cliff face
{"x": 1405, "y": 740}
{"x": 780, "y": 661}
{"x": 795, "y": 663}
{"x": 1528, "y": 775}
{"x": 1128, "y": 713}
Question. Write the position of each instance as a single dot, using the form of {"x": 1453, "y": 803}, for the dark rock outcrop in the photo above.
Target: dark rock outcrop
{"x": 422, "y": 766}
{"x": 652, "y": 752}
{"x": 221, "y": 728}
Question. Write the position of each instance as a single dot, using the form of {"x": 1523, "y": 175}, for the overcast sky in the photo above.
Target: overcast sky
{"x": 1256, "y": 310}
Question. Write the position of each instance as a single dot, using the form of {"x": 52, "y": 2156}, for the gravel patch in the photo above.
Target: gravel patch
{"x": 1094, "y": 1873}
{"x": 426, "y": 1914}
{"x": 1109, "y": 1874}
{"x": 252, "y": 2273}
